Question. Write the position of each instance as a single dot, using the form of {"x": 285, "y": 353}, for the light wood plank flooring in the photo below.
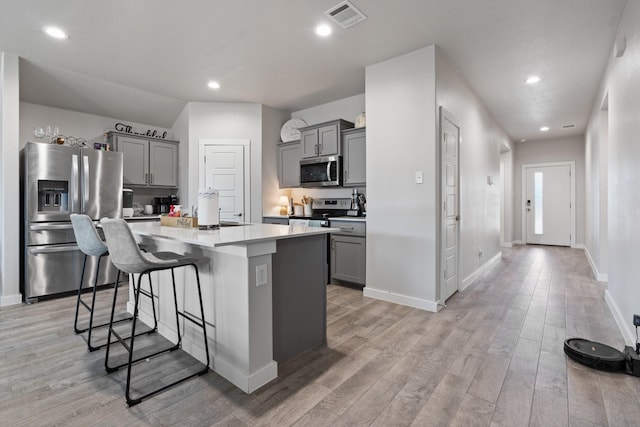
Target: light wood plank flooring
{"x": 492, "y": 357}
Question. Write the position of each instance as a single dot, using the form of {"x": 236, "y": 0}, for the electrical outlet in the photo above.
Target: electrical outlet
{"x": 480, "y": 253}
{"x": 636, "y": 319}
{"x": 262, "y": 274}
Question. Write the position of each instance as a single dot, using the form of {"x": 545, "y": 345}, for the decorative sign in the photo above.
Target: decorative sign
{"x": 121, "y": 127}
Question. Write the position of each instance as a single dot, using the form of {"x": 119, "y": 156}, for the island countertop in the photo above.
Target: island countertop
{"x": 263, "y": 290}
{"x": 237, "y": 234}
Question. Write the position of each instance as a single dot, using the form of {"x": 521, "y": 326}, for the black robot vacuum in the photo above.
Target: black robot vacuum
{"x": 600, "y": 356}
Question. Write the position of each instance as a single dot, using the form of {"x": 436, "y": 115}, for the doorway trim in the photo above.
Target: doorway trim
{"x": 246, "y": 144}
{"x": 523, "y": 209}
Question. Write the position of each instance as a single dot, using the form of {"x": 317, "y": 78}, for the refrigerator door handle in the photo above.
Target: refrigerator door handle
{"x": 66, "y": 226}
{"x": 74, "y": 184}
{"x": 85, "y": 183}
{"x": 53, "y": 249}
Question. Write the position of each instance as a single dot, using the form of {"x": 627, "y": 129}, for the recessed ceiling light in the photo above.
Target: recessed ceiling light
{"x": 533, "y": 80}
{"x": 55, "y": 32}
{"x": 323, "y": 30}
{"x": 213, "y": 84}
{"x": 544, "y": 128}
{"x": 523, "y": 140}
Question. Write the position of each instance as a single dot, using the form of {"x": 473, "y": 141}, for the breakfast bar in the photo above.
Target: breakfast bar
{"x": 264, "y": 292}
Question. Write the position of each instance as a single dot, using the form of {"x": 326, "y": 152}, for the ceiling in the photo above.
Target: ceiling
{"x": 144, "y": 60}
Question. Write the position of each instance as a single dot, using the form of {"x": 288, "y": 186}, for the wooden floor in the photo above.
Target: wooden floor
{"x": 492, "y": 357}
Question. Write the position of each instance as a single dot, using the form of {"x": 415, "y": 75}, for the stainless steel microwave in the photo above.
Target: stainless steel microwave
{"x": 321, "y": 172}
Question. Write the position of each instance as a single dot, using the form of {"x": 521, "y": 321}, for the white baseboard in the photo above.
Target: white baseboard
{"x": 8, "y": 300}
{"x": 401, "y": 299}
{"x": 506, "y": 244}
{"x": 579, "y": 246}
{"x": 600, "y": 277}
{"x": 625, "y": 328}
{"x": 518, "y": 242}
{"x": 473, "y": 276}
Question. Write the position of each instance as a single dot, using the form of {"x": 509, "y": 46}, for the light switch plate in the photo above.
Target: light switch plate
{"x": 419, "y": 177}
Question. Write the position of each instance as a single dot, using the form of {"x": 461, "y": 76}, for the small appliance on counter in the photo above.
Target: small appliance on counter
{"x": 127, "y": 203}
{"x": 355, "y": 209}
{"x": 161, "y": 204}
{"x": 208, "y": 209}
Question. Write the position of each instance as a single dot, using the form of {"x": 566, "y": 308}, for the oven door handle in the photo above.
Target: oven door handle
{"x": 329, "y": 177}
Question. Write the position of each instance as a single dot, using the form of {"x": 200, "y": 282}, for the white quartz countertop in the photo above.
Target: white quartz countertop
{"x": 247, "y": 233}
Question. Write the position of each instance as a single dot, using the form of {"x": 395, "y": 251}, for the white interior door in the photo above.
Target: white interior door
{"x": 547, "y": 205}
{"x": 224, "y": 171}
{"x": 449, "y": 149}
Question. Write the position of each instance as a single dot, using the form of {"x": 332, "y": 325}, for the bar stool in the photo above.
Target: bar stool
{"x": 127, "y": 257}
{"x": 91, "y": 245}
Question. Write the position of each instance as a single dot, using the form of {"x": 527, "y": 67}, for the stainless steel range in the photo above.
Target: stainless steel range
{"x": 322, "y": 210}
{"x": 56, "y": 181}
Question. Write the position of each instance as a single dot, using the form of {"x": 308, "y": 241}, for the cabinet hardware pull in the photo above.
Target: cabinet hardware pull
{"x": 150, "y": 178}
{"x": 146, "y": 178}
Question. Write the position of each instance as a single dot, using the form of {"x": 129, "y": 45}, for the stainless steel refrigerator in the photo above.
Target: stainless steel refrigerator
{"x": 56, "y": 181}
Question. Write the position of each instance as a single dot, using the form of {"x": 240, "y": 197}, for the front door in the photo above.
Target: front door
{"x": 224, "y": 171}
{"x": 450, "y": 193}
{"x": 547, "y": 204}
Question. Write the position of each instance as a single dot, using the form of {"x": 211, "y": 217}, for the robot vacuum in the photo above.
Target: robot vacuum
{"x": 600, "y": 356}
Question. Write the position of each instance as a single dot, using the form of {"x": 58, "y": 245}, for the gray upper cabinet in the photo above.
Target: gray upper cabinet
{"x": 163, "y": 164}
{"x": 323, "y": 139}
{"x": 289, "y": 155}
{"x": 147, "y": 161}
{"x": 354, "y": 150}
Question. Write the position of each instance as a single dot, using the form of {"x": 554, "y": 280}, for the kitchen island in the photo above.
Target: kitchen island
{"x": 264, "y": 293}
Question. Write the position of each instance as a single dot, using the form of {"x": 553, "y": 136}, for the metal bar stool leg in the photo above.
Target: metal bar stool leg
{"x": 75, "y": 322}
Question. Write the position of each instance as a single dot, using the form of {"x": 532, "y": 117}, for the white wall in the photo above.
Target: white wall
{"x": 225, "y": 120}
{"x": 548, "y": 151}
{"x": 481, "y": 142}
{"x": 596, "y": 230}
{"x": 622, "y": 85}
{"x": 507, "y": 199}
{"x": 402, "y": 215}
{"x": 72, "y": 123}
{"x": 272, "y": 121}
{"x": 345, "y": 108}
{"x": 9, "y": 180}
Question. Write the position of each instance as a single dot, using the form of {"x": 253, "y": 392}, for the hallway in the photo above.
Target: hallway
{"x": 493, "y": 356}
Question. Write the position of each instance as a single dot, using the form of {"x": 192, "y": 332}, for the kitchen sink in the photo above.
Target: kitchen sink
{"x": 232, "y": 224}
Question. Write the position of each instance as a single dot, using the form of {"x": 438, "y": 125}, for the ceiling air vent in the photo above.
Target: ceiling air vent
{"x": 568, "y": 126}
{"x": 345, "y": 14}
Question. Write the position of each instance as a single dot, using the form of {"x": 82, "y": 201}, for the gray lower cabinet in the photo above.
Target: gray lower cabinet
{"x": 147, "y": 162}
{"x": 289, "y": 155}
{"x": 354, "y": 150}
{"x": 348, "y": 252}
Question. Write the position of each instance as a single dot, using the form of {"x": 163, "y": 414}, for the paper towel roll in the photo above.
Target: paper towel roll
{"x": 208, "y": 207}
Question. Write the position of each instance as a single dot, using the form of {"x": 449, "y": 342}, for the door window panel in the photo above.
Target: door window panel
{"x": 537, "y": 200}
